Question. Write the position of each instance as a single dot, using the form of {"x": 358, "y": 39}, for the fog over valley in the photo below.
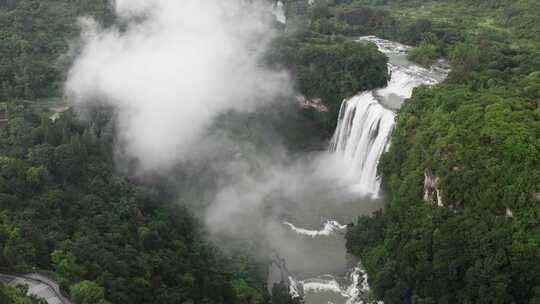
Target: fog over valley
{"x": 269, "y": 152}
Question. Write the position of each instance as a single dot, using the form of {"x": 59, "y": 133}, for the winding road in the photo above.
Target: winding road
{"x": 38, "y": 285}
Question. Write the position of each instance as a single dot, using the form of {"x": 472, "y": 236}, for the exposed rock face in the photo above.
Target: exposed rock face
{"x": 313, "y": 103}
{"x": 431, "y": 188}
{"x": 536, "y": 196}
{"x": 509, "y": 213}
{"x": 279, "y": 276}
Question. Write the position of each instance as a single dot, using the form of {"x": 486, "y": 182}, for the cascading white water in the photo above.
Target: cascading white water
{"x": 361, "y": 136}
{"x": 366, "y": 120}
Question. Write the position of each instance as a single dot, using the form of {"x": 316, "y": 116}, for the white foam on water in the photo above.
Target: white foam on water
{"x": 386, "y": 46}
{"x": 293, "y": 288}
{"x": 354, "y": 287}
{"x": 330, "y": 227}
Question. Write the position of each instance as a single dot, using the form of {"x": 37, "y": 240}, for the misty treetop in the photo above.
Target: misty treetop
{"x": 66, "y": 210}
{"x": 99, "y": 234}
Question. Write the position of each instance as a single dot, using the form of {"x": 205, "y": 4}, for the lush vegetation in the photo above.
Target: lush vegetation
{"x": 34, "y": 43}
{"x": 478, "y": 133}
{"x": 102, "y": 236}
{"x": 64, "y": 208}
{"x": 330, "y": 67}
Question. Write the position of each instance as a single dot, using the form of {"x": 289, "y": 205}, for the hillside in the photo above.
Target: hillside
{"x": 460, "y": 174}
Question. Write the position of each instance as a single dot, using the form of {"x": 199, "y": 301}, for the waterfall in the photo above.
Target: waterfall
{"x": 362, "y": 135}
{"x": 366, "y": 120}
{"x": 337, "y": 179}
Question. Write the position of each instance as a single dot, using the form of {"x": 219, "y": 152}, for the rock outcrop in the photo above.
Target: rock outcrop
{"x": 509, "y": 213}
{"x": 432, "y": 192}
{"x": 313, "y": 103}
{"x": 279, "y": 278}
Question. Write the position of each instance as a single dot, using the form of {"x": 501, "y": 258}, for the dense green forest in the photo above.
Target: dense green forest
{"x": 478, "y": 133}
{"x": 330, "y": 67}
{"x": 66, "y": 210}
{"x": 35, "y": 39}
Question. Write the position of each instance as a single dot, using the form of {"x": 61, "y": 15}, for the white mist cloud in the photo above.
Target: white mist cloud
{"x": 173, "y": 68}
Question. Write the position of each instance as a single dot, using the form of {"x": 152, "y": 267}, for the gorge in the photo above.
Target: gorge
{"x": 319, "y": 268}
{"x": 270, "y": 152}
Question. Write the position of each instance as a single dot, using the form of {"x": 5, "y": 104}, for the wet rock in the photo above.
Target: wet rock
{"x": 431, "y": 188}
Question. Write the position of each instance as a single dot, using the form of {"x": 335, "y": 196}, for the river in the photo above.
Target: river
{"x": 309, "y": 235}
